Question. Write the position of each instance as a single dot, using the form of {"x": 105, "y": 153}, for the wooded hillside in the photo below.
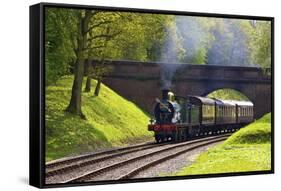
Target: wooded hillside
{"x": 76, "y": 36}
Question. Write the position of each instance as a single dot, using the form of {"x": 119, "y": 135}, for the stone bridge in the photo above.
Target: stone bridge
{"x": 140, "y": 82}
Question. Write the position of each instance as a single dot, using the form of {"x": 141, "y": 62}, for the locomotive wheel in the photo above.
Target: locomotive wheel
{"x": 173, "y": 137}
{"x": 158, "y": 139}
{"x": 181, "y": 135}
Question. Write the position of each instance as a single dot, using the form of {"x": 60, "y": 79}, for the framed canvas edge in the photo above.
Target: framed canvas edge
{"x": 36, "y": 153}
{"x": 37, "y": 95}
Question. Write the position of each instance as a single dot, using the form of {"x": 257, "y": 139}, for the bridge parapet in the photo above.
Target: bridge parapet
{"x": 152, "y": 70}
{"x": 140, "y": 82}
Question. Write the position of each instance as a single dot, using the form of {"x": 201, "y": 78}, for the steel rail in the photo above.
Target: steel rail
{"x": 93, "y": 159}
{"x": 165, "y": 158}
{"x": 96, "y": 172}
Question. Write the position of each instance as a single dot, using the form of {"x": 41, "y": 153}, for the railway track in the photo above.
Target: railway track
{"x": 125, "y": 164}
{"x": 62, "y": 166}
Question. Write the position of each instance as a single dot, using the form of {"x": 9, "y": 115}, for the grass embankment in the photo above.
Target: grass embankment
{"x": 111, "y": 121}
{"x": 249, "y": 149}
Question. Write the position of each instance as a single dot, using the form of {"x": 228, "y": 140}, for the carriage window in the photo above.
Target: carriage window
{"x": 239, "y": 112}
{"x": 226, "y": 111}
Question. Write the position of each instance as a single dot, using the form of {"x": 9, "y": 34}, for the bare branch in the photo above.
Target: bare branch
{"x": 97, "y": 36}
{"x": 99, "y": 24}
{"x": 94, "y": 47}
{"x": 106, "y": 36}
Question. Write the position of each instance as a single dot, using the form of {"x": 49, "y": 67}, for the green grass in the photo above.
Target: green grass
{"x": 228, "y": 94}
{"x": 249, "y": 149}
{"x": 111, "y": 121}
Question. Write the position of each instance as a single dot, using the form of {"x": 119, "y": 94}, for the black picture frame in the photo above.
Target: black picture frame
{"x": 37, "y": 93}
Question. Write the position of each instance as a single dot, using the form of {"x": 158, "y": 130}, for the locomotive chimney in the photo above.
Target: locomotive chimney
{"x": 165, "y": 94}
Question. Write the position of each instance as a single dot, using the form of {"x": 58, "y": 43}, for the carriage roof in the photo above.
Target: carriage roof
{"x": 213, "y": 101}
{"x": 225, "y": 102}
{"x": 244, "y": 103}
{"x": 234, "y": 102}
{"x": 202, "y": 100}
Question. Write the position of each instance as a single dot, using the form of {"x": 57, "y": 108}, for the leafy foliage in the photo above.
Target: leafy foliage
{"x": 260, "y": 44}
{"x": 60, "y": 55}
{"x": 136, "y": 36}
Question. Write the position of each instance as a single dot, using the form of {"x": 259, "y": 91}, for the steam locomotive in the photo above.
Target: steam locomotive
{"x": 180, "y": 118}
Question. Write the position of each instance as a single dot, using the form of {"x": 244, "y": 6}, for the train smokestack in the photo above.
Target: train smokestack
{"x": 165, "y": 94}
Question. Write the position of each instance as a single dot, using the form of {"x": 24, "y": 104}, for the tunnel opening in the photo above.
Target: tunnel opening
{"x": 228, "y": 94}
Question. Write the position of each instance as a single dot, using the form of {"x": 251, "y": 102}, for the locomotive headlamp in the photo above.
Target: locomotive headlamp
{"x": 171, "y": 96}
{"x": 152, "y": 121}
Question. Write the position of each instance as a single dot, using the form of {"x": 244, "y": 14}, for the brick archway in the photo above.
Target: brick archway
{"x": 226, "y": 88}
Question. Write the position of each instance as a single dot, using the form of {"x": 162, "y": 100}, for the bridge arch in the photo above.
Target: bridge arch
{"x": 246, "y": 91}
{"x": 228, "y": 94}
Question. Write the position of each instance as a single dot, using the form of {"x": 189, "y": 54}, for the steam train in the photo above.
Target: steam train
{"x": 180, "y": 118}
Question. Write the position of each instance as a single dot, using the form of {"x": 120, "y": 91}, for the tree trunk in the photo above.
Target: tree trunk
{"x": 89, "y": 79}
{"x": 88, "y": 84}
{"x": 75, "y": 101}
{"x": 97, "y": 90}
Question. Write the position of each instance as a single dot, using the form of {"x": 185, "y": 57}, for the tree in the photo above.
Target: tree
{"x": 194, "y": 32}
{"x": 99, "y": 36}
{"x": 83, "y": 30}
{"x": 125, "y": 36}
{"x": 60, "y": 55}
{"x": 260, "y": 43}
{"x": 141, "y": 39}
{"x": 230, "y": 45}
